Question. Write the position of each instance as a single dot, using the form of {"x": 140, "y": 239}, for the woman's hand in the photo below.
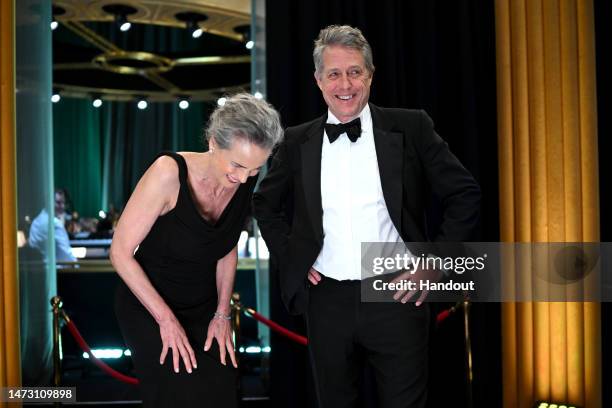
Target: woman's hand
{"x": 173, "y": 337}
{"x": 314, "y": 276}
{"x": 221, "y": 330}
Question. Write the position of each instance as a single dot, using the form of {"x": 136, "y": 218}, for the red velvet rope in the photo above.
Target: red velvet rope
{"x": 106, "y": 368}
{"x": 442, "y": 316}
{"x": 445, "y": 314}
{"x": 278, "y": 328}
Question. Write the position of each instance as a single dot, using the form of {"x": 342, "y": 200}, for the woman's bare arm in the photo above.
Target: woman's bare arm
{"x": 219, "y": 327}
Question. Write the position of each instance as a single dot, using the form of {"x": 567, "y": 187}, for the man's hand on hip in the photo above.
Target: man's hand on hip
{"x": 418, "y": 276}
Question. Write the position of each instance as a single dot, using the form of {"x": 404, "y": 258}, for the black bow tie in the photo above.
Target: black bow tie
{"x": 352, "y": 129}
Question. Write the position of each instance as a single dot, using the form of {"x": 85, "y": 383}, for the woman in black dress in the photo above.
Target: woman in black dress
{"x": 175, "y": 250}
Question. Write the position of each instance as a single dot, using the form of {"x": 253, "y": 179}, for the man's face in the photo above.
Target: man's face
{"x": 344, "y": 82}
{"x": 60, "y": 204}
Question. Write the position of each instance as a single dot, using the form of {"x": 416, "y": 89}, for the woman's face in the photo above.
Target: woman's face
{"x": 241, "y": 161}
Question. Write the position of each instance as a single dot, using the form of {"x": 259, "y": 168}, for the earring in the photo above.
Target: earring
{"x": 211, "y": 150}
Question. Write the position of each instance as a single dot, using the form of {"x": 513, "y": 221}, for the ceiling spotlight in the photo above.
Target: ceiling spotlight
{"x": 55, "y": 98}
{"x": 124, "y": 25}
{"x": 196, "y": 31}
{"x": 121, "y": 13}
{"x": 142, "y": 104}
{"x": 183, "y": 104}
{"x": 258, "y": 95}
{"x": 56, "y": 11}
{"x": 97, "y": 102}
{"x": 192, "y": 22}
{"x": 221, "y": 101}
{"x": 245, "y": 33}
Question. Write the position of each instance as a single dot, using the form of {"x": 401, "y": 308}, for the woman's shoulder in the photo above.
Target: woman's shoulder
{"x": 196, "y": 162}
{"x": 158, "y": 186}
{"x": 165, "y": 170}
{"x": 191, "y": 156}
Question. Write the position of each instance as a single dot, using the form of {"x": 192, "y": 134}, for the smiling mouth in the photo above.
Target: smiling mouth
{"x": 232, "y": 180}
{"x": 345, "y": 97}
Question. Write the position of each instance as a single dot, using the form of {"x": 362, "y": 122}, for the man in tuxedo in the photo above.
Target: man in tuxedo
{"x": 359, "y": 173}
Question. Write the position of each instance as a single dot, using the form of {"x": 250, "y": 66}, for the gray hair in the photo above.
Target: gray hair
{"x": 344, "y": 36}
{"x": 247, "y": 117}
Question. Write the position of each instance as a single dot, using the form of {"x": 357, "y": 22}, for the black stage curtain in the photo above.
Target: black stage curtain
{"x": 432, "y": 55}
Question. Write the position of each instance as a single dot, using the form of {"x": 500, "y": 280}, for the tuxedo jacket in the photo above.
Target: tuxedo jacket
{"x": 413, "y": 162}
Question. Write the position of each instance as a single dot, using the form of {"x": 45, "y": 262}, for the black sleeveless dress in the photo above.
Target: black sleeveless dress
{"x": 179, "y": 255}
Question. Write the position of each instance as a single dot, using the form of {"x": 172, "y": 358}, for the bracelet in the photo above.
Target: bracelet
{"x": 218, "y": 315}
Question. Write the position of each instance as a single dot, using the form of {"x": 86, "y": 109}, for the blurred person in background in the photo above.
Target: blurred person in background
{"x": 39, "y": 230}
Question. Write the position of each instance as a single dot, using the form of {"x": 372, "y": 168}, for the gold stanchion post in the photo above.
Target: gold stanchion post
{"x": 468, "y": 352}
{"x": 56, "y": 304}
{"x": 236, "y": 306}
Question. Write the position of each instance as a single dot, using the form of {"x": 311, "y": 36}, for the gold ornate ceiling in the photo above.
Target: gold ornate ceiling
{"x": 104, "y": 62}
{"x": 223, "y": 15}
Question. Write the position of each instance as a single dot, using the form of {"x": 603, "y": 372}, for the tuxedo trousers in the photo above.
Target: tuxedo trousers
{"x": 345, "y": 334}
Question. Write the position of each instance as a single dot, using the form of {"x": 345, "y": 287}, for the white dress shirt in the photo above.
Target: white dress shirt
{"x": 39, "y": 236}
{"x": 354, "y": 209}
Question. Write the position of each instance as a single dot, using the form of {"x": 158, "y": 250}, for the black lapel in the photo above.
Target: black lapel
{"x": 311, "y": 175}
{"x": 389, "y": 152}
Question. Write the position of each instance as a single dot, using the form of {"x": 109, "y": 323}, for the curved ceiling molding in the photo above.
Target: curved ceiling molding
{"x": 223, "y": 15}
{"x": 157, "y": 58}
